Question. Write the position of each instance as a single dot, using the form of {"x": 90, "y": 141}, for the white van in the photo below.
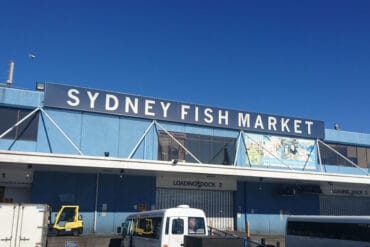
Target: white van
{"x": 163, "y": 228}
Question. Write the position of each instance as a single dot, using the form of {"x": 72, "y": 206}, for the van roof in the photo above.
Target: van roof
{"x": 178, "y": 211}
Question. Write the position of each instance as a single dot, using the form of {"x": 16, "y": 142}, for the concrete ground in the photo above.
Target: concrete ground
{"x": 274, "y": 240}
{"x": 81, "y": 241}
{"x": 270, "y": 240}
{"x": 106, "y": 240}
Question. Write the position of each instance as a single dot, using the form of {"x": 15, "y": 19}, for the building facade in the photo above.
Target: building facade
{"x": 113, "y": 154}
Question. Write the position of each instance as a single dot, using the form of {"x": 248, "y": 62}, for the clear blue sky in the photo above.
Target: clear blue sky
{"x": 307, "y": 59}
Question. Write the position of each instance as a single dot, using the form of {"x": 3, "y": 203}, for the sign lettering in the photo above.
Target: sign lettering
{"x": 84, "y": 99}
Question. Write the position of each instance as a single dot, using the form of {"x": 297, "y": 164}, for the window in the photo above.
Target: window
{"x": 177, "y": 226}
{"x": 196, "y": 225}
{"x": 348, "y": 231}
{"x": 358, "y": 155}
{"x": 208, "y": 149}
{"x": 361, "y": 157}
{"x": 25, "y": 131}
{"x": 128, "y": 227}
{"x": 67, "y": 215}
{"x": 168, "y": 148}
{"x": 2, "y": 189}
{"x": 149, "y": 227}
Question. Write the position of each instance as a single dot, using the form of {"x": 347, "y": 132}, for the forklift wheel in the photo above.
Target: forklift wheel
{"x": 77, "y": 232}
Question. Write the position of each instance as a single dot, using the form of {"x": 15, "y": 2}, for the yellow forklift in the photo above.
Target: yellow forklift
{"x": 67, "y": 221}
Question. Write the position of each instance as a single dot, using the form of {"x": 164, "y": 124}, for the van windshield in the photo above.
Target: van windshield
{"x": 148, "y": 227}
{"x": 196, "y": 225}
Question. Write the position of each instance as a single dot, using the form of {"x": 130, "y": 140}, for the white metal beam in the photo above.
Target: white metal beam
{"x": 77, "y": 161}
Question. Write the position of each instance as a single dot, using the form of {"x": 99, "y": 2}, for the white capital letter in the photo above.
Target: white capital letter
{"x": 196, "y": 114}
{"x": 208, "y": 114}
{"x": 133, "y": 106}
{"x": 243, "y": 120}
{"x": 297, "y": 126}
{"x": 272, "y": 123}
{"x": 309, "y": 124}
{"x": 184, "y": 111}
{"x": 259, "y": 122}
{"x": 224, "y": 117}
{"x": 71, "y": 95}
{"x": 149, "y": 106}
{"x": 92, "y": 98}
{"x": 165, "y": 107}
{"x": 108, "y": 106}
{"x": 284, "y": 125}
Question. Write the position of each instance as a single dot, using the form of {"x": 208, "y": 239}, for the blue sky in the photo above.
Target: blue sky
{"x": 308, "y": 59}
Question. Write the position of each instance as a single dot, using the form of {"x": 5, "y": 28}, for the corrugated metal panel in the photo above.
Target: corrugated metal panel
{"x": 341, "y": 205}
{"x": 218, "y": 205}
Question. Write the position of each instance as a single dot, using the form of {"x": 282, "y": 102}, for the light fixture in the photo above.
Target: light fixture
{"x": 331, "y": 187}
{"x": 40, "y": 86}
{"x": 121, "y": 173}
{"x": 260, "y": 185}
{"x": 106, "y": 154}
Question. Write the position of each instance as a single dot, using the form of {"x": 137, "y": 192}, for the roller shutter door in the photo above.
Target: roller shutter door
{"x": 218, "y": 205}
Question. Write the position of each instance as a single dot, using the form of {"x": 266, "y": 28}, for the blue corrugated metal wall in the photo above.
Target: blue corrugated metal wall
{"x": 266, "y": 210}
{"x": 96, "y": 134}
{"x": 117, "y": 196}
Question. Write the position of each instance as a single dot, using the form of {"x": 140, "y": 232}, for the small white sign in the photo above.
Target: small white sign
{"x": 70, "y": 243}
{"x": 346, "y": 190}
{"x": 196, "y": 182}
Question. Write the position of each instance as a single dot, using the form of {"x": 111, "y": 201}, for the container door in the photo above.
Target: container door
{"x": 177, "y": 231}
{"x": 8, "y": 225}
{"x": 32, "y": 229}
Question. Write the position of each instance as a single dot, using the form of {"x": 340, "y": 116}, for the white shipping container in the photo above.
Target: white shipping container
{"x": 23, "y": 225}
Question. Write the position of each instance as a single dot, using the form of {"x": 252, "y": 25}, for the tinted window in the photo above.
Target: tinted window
{"x": 68, "y": 215}
{"x": 208, "y": 149}
{"x": 196, "y": 225}
{"x": 149, "y": 227}
{"x": 27, "y": 130}
{"x": 177, "y": 226}
{"x": 348, "y": 231}
{"x": 128, "y": 227}
{"x": 358, "y": 155}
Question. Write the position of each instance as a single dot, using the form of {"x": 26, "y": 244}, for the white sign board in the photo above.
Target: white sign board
{"x": 196, "y": 182}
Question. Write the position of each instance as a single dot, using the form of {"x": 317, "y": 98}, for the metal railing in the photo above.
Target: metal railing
{"x": 248, "y": 242}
